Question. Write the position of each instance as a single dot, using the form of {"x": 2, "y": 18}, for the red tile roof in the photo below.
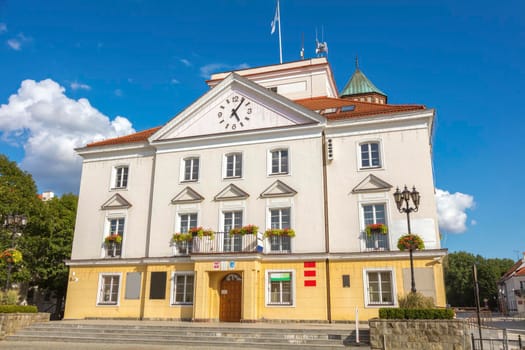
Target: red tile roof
{"x": 140, "y": 136}
{"x": 358, "y": 108}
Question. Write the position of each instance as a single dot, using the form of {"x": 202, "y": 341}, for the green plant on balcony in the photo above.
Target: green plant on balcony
{"x": 113, "y": 238}
{"x": 201, "y": 232}
{"x": 245, "y": 230}
{"x": 279, "y": 232}
{"x": 181, "y": 237}
{"x": 376, "y": 228}
{"x": 410, "y": 242}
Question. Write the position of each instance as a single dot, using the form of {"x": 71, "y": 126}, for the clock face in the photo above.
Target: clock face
{"x": 235, "y": 112}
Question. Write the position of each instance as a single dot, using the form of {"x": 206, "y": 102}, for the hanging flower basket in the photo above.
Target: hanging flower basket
{"x": 245, "y": 230}
{"x": 279, "y": 232}
{"x": 410, "y": 242}
{"x": 11, "y": 256}
{"x": 200, "y": 232}
{"x": 376, "y": 228}
{"x": 114, "y": 238}
{"x": 181, "y": 237}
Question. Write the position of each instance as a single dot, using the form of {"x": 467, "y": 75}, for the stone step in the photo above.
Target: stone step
{"x": 262, "y": 337}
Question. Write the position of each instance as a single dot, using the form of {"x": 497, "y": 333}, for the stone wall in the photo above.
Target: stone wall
{"x": 419, "y": 334}
{"x": 10, "y": 323}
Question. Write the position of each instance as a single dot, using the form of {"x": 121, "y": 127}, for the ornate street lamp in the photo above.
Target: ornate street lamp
{"x": 13, "y": 222}
{"x": 404, "y": 197}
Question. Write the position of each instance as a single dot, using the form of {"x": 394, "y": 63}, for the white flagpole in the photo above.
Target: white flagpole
{"x": 280, "y": 44}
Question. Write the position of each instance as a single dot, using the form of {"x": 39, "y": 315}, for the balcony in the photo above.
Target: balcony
{"x": 113, "y": 250}
{"x": 219, "y": 243}
{"x": 376, "y": 242}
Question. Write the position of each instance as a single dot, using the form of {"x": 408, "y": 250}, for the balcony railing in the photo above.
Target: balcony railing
{"x": 219, "y": 243}
{"x": 113, "y": 250}
{"x": 376, "y": 242}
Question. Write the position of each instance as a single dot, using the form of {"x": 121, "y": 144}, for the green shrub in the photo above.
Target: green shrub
{"x": 415, "y": 301}
{"x": 10, "y": 297}
{"x": 9, "y": 309}
{"x": 416, "y": 314}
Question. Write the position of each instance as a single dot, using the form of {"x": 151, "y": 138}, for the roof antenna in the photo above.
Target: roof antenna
{"x": 321, "y": 47}
{"x": 302, "y": 46}
{"x": 356, "y": 62}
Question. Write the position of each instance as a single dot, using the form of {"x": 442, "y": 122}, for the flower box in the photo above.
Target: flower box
{"x": 11, "y": 256}
{"x": 181, "y": 237}
{"x": 200, "y": 232}
{"x": 114, "y": 238}
{"x": 376, "y": 228}
{"x": 245, "y": 230}
{"x": 279, "y": 232}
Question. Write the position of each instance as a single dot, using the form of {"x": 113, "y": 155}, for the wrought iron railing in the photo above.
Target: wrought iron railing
{"x": 113, "y": 249}
{"x": 376, "y": 242}
{"x": 219, "y": 243}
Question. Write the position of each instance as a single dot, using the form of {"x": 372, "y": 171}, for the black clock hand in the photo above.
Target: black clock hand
{"x": 234, "y": 111}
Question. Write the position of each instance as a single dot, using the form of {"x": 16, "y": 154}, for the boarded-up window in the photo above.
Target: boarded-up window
{"x": 133, "y": 285}
{"x": 157, "y": 288}
{"x": 424, "y": 278}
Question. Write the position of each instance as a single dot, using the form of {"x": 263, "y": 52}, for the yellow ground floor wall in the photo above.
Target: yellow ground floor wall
{"x": 310, "y": 289}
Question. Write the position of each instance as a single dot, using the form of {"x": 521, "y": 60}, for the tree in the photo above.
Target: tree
{"x": 18, "y": 195}
{"x": 459, "y": 281}
{"x": 48, "y": 245}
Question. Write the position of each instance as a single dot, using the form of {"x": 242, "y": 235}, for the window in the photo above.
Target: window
{"x": 279, "y": 161}
{"x": 232, "y": 219}
{"x": 191, "y": 169}
{"x": 109, "y": 289}
{"x": 380, "y": 289}
{"x": 370, "y": 155}
{"x": 116, "y": 227}
{"x": 280, "y": 288}
{"x": 234, "y": 165}
{"x": 121, "y": 177}
{"x": 375, "y": 214}
{"x": 182, "y": 289}
{"x": 280, "y": 218}
{"x": 187, "y": 221}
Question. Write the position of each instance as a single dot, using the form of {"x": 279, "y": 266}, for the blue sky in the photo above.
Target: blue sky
{"x": 73, "y": 71}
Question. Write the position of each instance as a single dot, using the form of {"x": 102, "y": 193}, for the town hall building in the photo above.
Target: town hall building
{"x": 255, "y": 203}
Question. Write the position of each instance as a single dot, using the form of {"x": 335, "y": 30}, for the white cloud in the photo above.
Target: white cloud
{"x": 185, "y": 62}
{"x": 118, "y": 92}
{"x": 451, "y": 209}
{"x": 208, "y": 69}
{"x": 49, "y": 125}
{"x": 3, "y": 27}
{"x": 17, "y": 42}
{"x": 175, "y": 81}
{"x": 79, "y": 86}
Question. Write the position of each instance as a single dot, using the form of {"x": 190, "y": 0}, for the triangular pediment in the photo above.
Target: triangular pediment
{"x": 372, "y": 183}
{"x": 187, "y": 195}
{"x": 235, "y": 105}
{"x": 278, "y": 189}
{"x": 230, "y": 193}
{"x": 116, "y": 202}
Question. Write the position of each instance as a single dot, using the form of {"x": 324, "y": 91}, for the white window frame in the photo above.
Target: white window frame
{"x": 107, "y": 230}
{"x": 174, "y": 275}
{"x": 366, "y": 287}
{"x": 270, "y": 158}
{"x": 114, "y": 171}
{"x": 178, "y": 223}
{"x": 226, "y": 237}
{"x": 267, "y": 285}
{"x": 360, "y": 157}
{"x": 237, "y": 172}
{"x": 183, "y": 169}
{"x": 269, "y": 225}
{"x": 101, "y": 276}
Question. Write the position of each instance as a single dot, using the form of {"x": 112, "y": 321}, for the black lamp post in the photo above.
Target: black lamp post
{"x": 13, "y": 222}
{"x": 405, "y": 197}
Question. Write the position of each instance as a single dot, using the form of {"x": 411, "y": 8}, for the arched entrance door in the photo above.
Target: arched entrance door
{"x": 231, "y": 297}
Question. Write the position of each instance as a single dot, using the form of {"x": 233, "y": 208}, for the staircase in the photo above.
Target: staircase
{"x": 259, "y": 336}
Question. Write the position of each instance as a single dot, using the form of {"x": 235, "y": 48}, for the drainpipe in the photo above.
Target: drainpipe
{"x": 148, "y": 234}
{"x": 326, "y": 232}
